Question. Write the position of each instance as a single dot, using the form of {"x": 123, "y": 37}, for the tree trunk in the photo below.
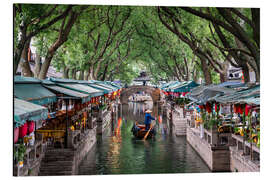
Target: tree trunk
{"x": 91, "y": 73}
{"x": 25, "y": 66}
{"x": 86, "y": 75}
{"x": 245, "y": 73}
{"x": 195, "y": 75}
{"x": 73, "y": 74}
{"x": 37, "y": 65}
{"x": 81, "y": 76}
{"x": 223, "y": 76}
{"x": 206, "y": 72}
{"x": 45, "y": 66}
{"x": 19, "y": 48}
{"x": 65, "y": 74}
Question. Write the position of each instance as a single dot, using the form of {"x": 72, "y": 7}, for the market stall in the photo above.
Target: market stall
{"x": 73, "y": 113}
{"x": 27, "y": 147}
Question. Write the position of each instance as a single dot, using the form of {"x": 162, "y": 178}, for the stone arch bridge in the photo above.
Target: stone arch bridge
{"x": 153, "y": 92}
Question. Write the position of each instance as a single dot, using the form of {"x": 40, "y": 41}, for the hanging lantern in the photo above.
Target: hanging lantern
{"x": 31, "y": 126}
{"x": 23, "y": 130}
{"x": 16, "y": 134}
{"x": 240, "y": 109}
{"x": 247, "y": 109}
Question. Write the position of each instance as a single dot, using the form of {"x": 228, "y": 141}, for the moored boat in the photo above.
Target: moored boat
{"x": 139, "y": 131}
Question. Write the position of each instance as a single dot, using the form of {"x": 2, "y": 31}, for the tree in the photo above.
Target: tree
{"x": 31, "y": 19}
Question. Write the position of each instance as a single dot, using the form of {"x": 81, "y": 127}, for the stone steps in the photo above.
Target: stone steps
{"x": 57, "y": 162}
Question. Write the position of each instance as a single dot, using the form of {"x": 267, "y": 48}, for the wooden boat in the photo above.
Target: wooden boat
{"x": 139, "y": 131}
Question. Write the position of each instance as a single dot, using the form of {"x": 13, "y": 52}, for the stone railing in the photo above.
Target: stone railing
{"x": 32, "y": 158}
{"x": 247, "y": 148}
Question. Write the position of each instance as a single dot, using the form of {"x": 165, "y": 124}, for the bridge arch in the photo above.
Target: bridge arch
{"x": 153, "y": 92}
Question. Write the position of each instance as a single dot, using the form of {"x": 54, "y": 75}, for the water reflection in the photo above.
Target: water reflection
{"x": 118, "y": 152}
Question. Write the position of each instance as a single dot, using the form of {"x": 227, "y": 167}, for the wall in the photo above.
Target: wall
{"x": 86, "y": 144}
{"x": 216, "y": 157}
{"x": 103, "y": 121}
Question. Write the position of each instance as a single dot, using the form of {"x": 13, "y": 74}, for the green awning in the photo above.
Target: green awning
{"x": 103, "y": 84}
{"x": 112, "y": 84}
{"x": 102, "y": 88}
{"x": 82, "y": 88}
{"x": 169, "y": 84}
{"x": 106, "y": 89}
{"x": 183, "y": 86}
{"x": 34, "y": 92}
{"x": 24, "y": 111}
{"x": 69, "y": 92}
{"x": 22, "y": 79}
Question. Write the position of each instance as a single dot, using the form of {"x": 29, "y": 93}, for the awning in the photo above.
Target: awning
{"x": 106, "y": 89}
{"x": 23, "y": 80}
{"x": 114, "y": 84}
{"x": 249, "y": 96}
{"x": 107, "y": 85}
{"x": 170, "y": 84}
{"x": 24, "y": 110}
{"x": 232, "y": 84}
{"x": 185, "y": 86}
{"x": 69, "y": 92}
{"x": 202, "y": 94}
{"x": 99, "y": 87}
{"x": 82, "y": 88}
{"x": 34, "y": 92}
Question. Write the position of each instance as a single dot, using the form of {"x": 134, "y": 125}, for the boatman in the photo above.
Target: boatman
{"x": 147, "y": 119}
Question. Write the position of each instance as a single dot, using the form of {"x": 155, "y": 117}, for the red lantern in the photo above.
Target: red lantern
{"x": 23, "y": 130}
{"x": 16, "y": 134}
{"x": 31, "y": 126}
{"x": 240, "y": 109}
{"x": 247, "y": 109}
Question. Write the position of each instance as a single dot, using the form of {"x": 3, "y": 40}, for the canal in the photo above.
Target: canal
{"x": 118, "y": 152}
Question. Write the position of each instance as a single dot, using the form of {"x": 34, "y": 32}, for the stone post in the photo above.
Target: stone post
{"x": 214, "y": 140}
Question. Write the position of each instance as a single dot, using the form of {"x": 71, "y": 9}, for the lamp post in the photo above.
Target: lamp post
{"x": 66, "y": 134}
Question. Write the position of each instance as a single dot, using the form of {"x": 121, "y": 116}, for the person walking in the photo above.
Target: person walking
{"x": 148, "y": 118}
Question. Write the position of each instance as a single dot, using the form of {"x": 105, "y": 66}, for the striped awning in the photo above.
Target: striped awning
{"x": 34, "y": 92}
{"x": 24, "y": 111}
{"x": 82, "y": 88}
{"x": 84, "y": 97}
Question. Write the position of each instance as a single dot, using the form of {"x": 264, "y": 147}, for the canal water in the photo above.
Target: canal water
{"x": 118, "y": 152}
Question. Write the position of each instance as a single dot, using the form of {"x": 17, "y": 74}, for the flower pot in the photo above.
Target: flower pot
{"x": 20, "y": 164}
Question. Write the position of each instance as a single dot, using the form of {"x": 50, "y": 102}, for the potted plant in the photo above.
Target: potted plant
{"x": 236, "y": 130}
{"x": 21, "y": 150}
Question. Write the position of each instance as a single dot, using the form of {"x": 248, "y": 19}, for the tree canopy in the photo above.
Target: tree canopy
{"x": 117, "y": 42}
